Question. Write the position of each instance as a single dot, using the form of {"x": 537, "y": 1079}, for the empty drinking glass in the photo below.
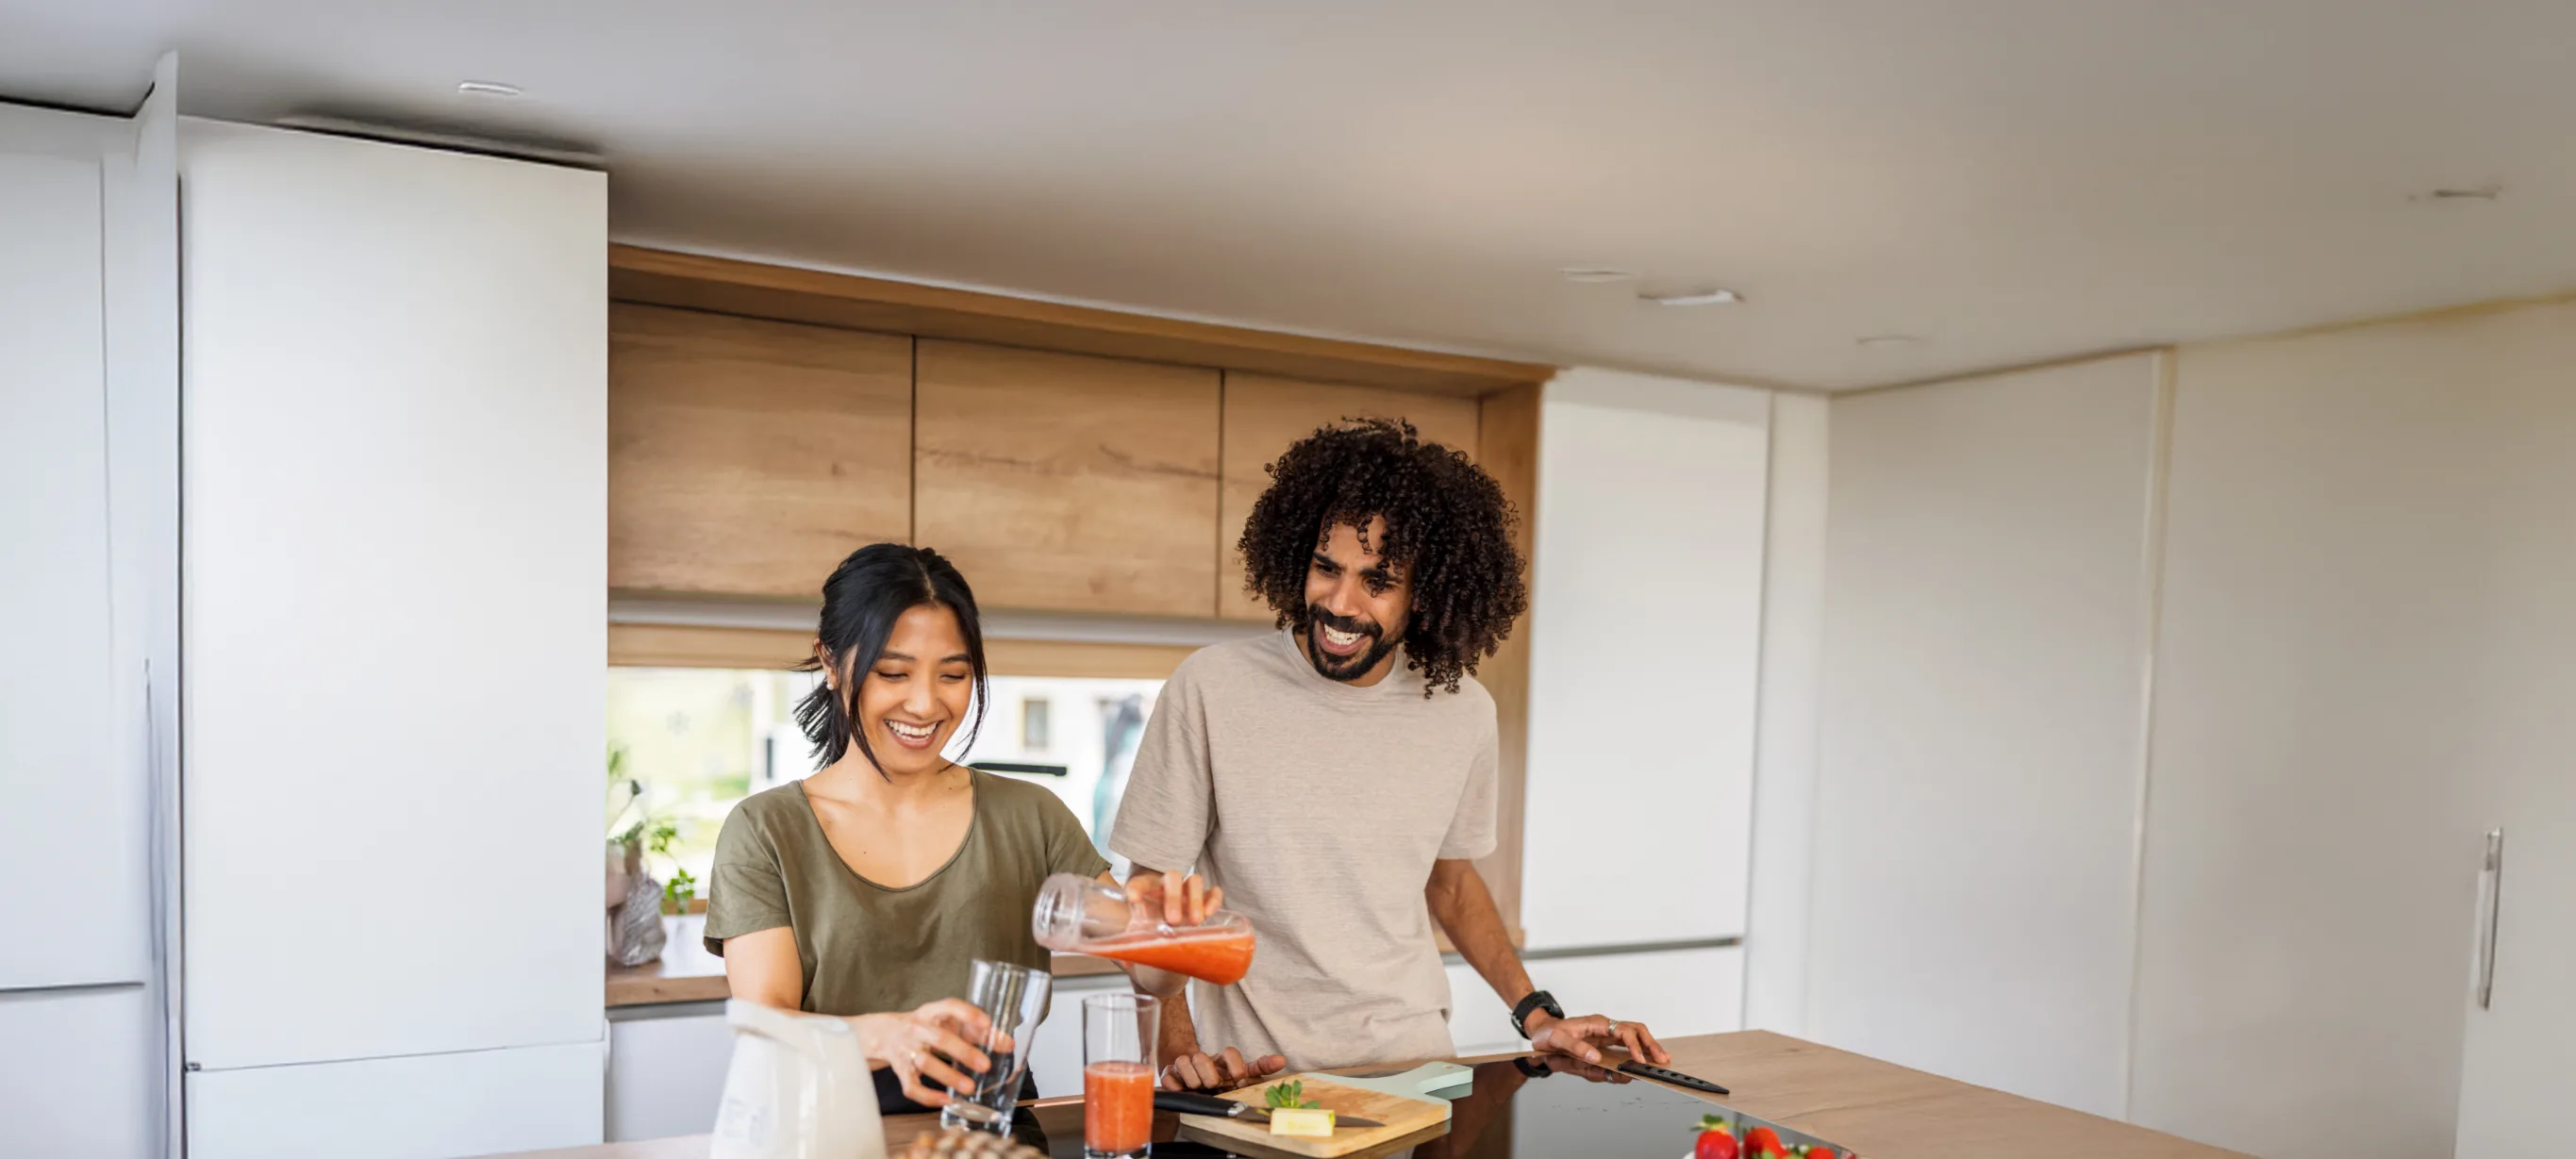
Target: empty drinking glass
{"x": 1015, "y": 998}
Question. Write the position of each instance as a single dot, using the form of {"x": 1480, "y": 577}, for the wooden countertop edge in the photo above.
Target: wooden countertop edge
{"x": 650, "y": 984}
{"x": 1879, "y": 1109}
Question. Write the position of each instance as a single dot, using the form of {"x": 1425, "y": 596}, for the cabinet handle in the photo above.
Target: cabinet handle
{"x": 2490, "y": 888}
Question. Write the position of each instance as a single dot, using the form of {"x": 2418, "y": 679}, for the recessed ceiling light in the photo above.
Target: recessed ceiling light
{"x": 1588, "y": 274}
{"x": 485, "y": 88}
{"x": 1694, "y": 298}
{"x": 2487, "y": 192}
{"x": 1877, "y": 340}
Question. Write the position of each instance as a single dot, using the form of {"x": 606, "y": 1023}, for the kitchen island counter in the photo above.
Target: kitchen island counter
{"x": 1879, "y": 1109}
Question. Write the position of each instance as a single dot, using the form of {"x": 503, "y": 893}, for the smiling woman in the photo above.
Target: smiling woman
{"x": 870, "y": 888}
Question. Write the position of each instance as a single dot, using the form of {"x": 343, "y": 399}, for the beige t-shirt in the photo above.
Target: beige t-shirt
{"x": 1319, "y": 808}
{"x": 872, "y": 949}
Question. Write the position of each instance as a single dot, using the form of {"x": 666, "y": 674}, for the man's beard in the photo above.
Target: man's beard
{"x": 1332, "y": 667}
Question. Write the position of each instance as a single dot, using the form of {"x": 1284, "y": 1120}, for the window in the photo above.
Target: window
{"x": 701, "y": 739}
{"x": 1033, "y": 724}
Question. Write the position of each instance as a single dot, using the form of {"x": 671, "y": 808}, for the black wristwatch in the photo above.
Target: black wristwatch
{"x": 1537, "y": 1000}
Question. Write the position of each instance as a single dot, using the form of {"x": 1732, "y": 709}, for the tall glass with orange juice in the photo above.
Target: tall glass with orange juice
{"x": 1082, "y": 915}
{"x": 1118, "y": 1075}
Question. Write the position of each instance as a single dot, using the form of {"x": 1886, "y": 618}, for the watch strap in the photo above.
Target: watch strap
{"x": 1535, "y": 1000}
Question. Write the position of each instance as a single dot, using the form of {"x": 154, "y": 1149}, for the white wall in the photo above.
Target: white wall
{"x": 1644, "y": 637}
{"x": 1989, "y": 588}
{"x": 1793, "y": 628}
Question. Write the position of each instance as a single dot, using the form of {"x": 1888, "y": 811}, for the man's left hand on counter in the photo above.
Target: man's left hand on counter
{"x": 1584, "y": 1036}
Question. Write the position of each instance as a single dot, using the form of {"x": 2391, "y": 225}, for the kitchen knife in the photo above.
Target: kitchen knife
{"x": 1194, "y": 1103}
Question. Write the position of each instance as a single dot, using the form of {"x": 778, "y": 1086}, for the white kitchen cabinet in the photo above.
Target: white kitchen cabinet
{"x": 74, "y": 1071}
{"x": 666, "y": 1070}
{"x": 85, "y": 521}
{"x": 1674, "y": 992}
{"x": 395, "y": 488}
{"x": 1645, "y": 637}
{"x": 72, "y": 837}
{"x": 2519, "y": 1052}
{"x": 1989, "y": 588}
{"x": 2366, "y": 660}
{"x": 410, "y": 1107}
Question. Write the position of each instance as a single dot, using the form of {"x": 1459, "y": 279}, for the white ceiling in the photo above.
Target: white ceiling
{"x": 2014, "y": 180}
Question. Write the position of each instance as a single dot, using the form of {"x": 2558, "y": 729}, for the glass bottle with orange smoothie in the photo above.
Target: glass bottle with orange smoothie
{"x": 1084, "y": 915}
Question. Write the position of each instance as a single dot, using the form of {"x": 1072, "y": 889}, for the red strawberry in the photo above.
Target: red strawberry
{"x": 1763, "y": 1141}
{"x": 1716, "y": 1139}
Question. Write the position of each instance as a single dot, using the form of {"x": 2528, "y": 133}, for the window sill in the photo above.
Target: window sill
{"x": 686, "y": 972}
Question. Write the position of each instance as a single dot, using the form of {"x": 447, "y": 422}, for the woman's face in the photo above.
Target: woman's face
{"x": 911, "y": 701}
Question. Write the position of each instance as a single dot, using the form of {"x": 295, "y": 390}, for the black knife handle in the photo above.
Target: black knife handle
{"x": 1194, "y": 1103}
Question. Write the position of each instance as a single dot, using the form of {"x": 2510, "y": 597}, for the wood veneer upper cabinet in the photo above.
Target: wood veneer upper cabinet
{"x": 1067, "y": 482}
{"x": 748, "y": 456}
{"x": 1264, "y": 415}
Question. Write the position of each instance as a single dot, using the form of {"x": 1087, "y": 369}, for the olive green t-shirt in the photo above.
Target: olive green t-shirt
{"x": 870, "y": 949}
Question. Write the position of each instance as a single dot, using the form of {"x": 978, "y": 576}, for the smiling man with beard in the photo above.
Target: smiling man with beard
{"x": 1337, "y": 778}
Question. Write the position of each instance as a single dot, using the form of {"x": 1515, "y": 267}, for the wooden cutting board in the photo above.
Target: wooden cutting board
{"x": 1409, "y": 1120}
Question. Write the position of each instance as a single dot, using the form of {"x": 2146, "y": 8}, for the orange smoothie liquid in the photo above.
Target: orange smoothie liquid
{"x": 1117, "y": 1107}
{"x": 1221, "y": 958}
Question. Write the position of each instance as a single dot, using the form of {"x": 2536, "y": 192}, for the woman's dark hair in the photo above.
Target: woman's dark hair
{"x": 872, "y": 589}
{"x": 1448, "y": 526}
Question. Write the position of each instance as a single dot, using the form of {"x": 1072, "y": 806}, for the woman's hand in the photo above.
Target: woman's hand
{"x": 932, "y": 1042}
{"x": 1177, "y": 901}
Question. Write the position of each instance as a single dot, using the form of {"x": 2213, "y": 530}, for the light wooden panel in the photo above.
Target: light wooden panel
{"x": 749, "y": 456}
{"x": 755, "y": 290}
{"x": 694, "y": 646}
{"x": 1064, "y": 482}
{"x": 1507, "y": 447}
{"x": 1084, "y": 658}
{"x": 1263, "y": 415}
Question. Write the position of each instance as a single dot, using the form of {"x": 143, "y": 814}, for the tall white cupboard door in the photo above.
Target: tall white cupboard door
{"x": 395, "y": 495}
{"x": 1642, "y": 702}
{"x": 72, "y": 830}
{"x": 2519, "y": 1063}
{"x": 2365, "y": 634}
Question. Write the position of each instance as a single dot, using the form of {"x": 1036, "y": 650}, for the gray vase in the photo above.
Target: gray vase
{"x": 635, "y": 935}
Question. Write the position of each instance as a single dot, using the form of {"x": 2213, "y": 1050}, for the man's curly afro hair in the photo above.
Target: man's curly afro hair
{"x": 1448, "y": 527}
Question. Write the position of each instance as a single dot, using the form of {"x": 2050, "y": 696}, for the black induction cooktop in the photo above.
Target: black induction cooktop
{"x": 1518, "y": 1109}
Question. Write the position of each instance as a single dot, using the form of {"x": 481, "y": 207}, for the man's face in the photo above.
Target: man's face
{"x": 1356, "y": 605}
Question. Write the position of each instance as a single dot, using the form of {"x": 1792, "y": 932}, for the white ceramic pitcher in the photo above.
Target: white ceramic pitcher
{"x": 798, "y": 1089}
